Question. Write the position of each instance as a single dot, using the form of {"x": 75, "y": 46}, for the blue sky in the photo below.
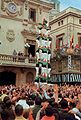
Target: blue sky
{"x": 70, "y": 3}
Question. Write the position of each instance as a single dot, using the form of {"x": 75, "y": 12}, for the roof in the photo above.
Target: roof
{"x": 68, "y": 11}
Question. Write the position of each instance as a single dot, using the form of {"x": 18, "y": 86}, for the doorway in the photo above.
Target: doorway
{"x": 31, "y": 50}
{"x": 7, "y": 78}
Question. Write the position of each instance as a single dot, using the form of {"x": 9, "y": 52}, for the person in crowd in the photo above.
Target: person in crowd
{"x": 37, "y": 106}
{"x": 56, "y": 113}
{"x": 19, "y": 112}
{"x": 77, "y": 108}
{"x": 30, "y": 102}
{"x": 28, "y": 114}
{"x": 27, "y": 94}
{"x": 64, "y": 111}
{"x": 48, "y": 114}
{"x": 8, "y": 107}
{"x": 15, "y": 96}
{"x": 4, "y": 93}
{"x": 4, "y": 115}
{"x": 41, "y": 112}
{"x": 22, "y": 100}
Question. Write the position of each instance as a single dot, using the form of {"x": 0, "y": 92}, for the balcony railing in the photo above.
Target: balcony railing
{"x": 64, "y": 52}
{"x": 16, "y": 60}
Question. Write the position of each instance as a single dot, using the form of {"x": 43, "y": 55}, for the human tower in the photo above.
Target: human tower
{"x": 43, "y": 53}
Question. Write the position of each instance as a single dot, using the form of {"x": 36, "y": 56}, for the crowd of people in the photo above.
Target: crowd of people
{"x": 40, "y": 102}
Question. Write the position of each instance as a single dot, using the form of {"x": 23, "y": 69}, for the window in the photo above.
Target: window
{"x": 59, "y": 42}
{"x": 32, "y": 14}
{"x": 79, "y": 21}
{"x": 61, "y": 22}
{"x": 58, "y": 23}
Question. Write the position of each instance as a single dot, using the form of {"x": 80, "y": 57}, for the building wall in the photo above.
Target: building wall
{"x": 17, "y": 29}
{"x": 66, "y": 24}
{"x": 11, "y": 40}
{"x": 69, "y": 27}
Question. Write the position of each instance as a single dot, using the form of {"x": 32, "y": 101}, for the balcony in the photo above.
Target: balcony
{"x": 19, "y": 61}
{"x": 63, "y": 52}
{"x": 60, "y": 60}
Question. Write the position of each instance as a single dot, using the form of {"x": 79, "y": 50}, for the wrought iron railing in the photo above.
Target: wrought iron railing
{"x": 64, "y": 51}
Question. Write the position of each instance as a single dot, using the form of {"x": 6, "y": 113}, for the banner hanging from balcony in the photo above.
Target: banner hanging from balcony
{"x": 43, "y": 53}
{"x": 66, "y": 78}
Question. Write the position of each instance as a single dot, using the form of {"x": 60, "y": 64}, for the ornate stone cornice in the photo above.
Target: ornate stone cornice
{"x": 12, "y": 18}
{"x": 62, "y": 16}
{"x": 42, "y": 4}
{"x": 26, "y": 33}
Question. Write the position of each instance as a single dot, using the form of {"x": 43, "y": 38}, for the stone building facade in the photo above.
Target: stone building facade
{"x": 18, "y": 32}
{"x": 66, "y": 46}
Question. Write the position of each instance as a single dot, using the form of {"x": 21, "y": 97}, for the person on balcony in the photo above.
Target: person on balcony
{"x": 14, "y": 55}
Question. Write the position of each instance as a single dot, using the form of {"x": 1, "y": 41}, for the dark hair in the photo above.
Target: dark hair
{"x": 72, "y": 104}
{"x": 49, "y": 111}
{"x": 6, "y": 98}
{"x": 49, "y": 90}
{"x": 8, "y": 103}
{"x": 51, "y": 101}
{"x": 54, "y": 104}
{"x": 38, "y": 101}
{"x": 2, "y": 106}
{"x": 18, "y": 110}
{"x": 56, "y": 114}
{"x": 5, "y": 114}
{"x": 64, "y": 104}
{"x": 33, "y": 97}
{"x": 30, "y": 102}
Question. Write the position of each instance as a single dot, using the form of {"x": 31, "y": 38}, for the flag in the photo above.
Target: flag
{"x": 72, "y": 42}
{"x": 76, "y": 46}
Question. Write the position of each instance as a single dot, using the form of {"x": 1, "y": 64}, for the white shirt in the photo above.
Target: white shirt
{"x": 77, "y": 117}
{"x": 76, "y": 111}
{"x": 23, "y": 103}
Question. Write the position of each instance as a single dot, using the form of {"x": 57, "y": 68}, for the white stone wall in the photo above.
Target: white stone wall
{"x": 70, "y": 26}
